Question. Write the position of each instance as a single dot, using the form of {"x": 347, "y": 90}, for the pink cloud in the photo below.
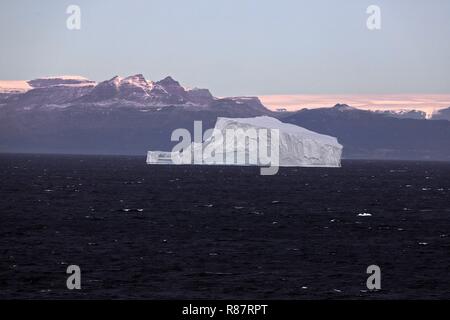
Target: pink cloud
{"x": 424, "y": 102}
{"x": 14, "y": 86}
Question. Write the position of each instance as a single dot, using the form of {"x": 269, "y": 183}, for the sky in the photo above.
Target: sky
{"x": 272, "y": 49}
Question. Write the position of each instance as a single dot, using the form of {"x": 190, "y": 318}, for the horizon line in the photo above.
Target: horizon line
{"x": 428, "y": 103}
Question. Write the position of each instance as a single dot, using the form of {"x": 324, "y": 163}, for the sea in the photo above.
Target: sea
{"x": 138, "y": 231}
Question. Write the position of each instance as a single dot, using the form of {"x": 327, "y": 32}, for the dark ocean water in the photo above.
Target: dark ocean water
{"x": 159, "y": 232}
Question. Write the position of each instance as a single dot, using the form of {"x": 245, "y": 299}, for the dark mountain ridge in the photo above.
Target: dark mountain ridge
{"x": 132, "y": 115}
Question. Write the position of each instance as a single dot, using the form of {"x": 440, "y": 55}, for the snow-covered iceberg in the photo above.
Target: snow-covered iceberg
{"x": 241, "y": 141}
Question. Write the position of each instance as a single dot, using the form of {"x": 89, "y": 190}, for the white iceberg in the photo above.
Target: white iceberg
{"x": 244, "y": 141}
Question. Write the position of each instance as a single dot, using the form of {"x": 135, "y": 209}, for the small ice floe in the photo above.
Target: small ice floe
{"x": 48, "y": 190}
{"x": 45, "y": 291}
{"x": 426, "y": 189}
{"x": 275, "y": 202}
{"x": 304, "y": 287}
{"x": 364, "y": 214}
{"x": 423, "y": 243}
{"x": 275, "y": 222}
{"x": 131, "y": 210}
{"x": 239, "y": 208}
{"x": 333, "y": 220}
{"x": 337, "y": 290}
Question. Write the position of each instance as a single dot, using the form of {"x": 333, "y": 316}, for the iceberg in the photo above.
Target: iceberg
{"x": 244, "y": 141}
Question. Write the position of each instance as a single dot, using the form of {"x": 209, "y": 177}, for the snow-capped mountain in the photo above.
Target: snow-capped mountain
{"x": 60, "y": 81}
{"x": 398, "y": 114}
{"x": 404, "y": 114}
{"x": 10, "y": 88}
{"x": 136, "y": 89}
{"x": 343, "y": 107}
{"x": 14, "y": 86}
{"x": 172, "y": 87}
{"x": 443, "y": 114}
{"x": 131, "y": 91}
{"x": 49, "y": 91}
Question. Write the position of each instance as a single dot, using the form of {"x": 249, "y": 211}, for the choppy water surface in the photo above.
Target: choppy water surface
{"x": 162, "y": 232}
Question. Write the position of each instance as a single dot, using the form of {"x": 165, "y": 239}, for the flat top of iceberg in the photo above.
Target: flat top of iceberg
{"x": 272, "y": 123}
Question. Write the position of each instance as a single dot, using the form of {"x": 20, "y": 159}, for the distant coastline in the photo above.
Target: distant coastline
{"x": 428, "y": 103}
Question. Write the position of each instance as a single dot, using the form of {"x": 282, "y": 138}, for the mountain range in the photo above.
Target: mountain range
{"x": 130, "y": 115}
